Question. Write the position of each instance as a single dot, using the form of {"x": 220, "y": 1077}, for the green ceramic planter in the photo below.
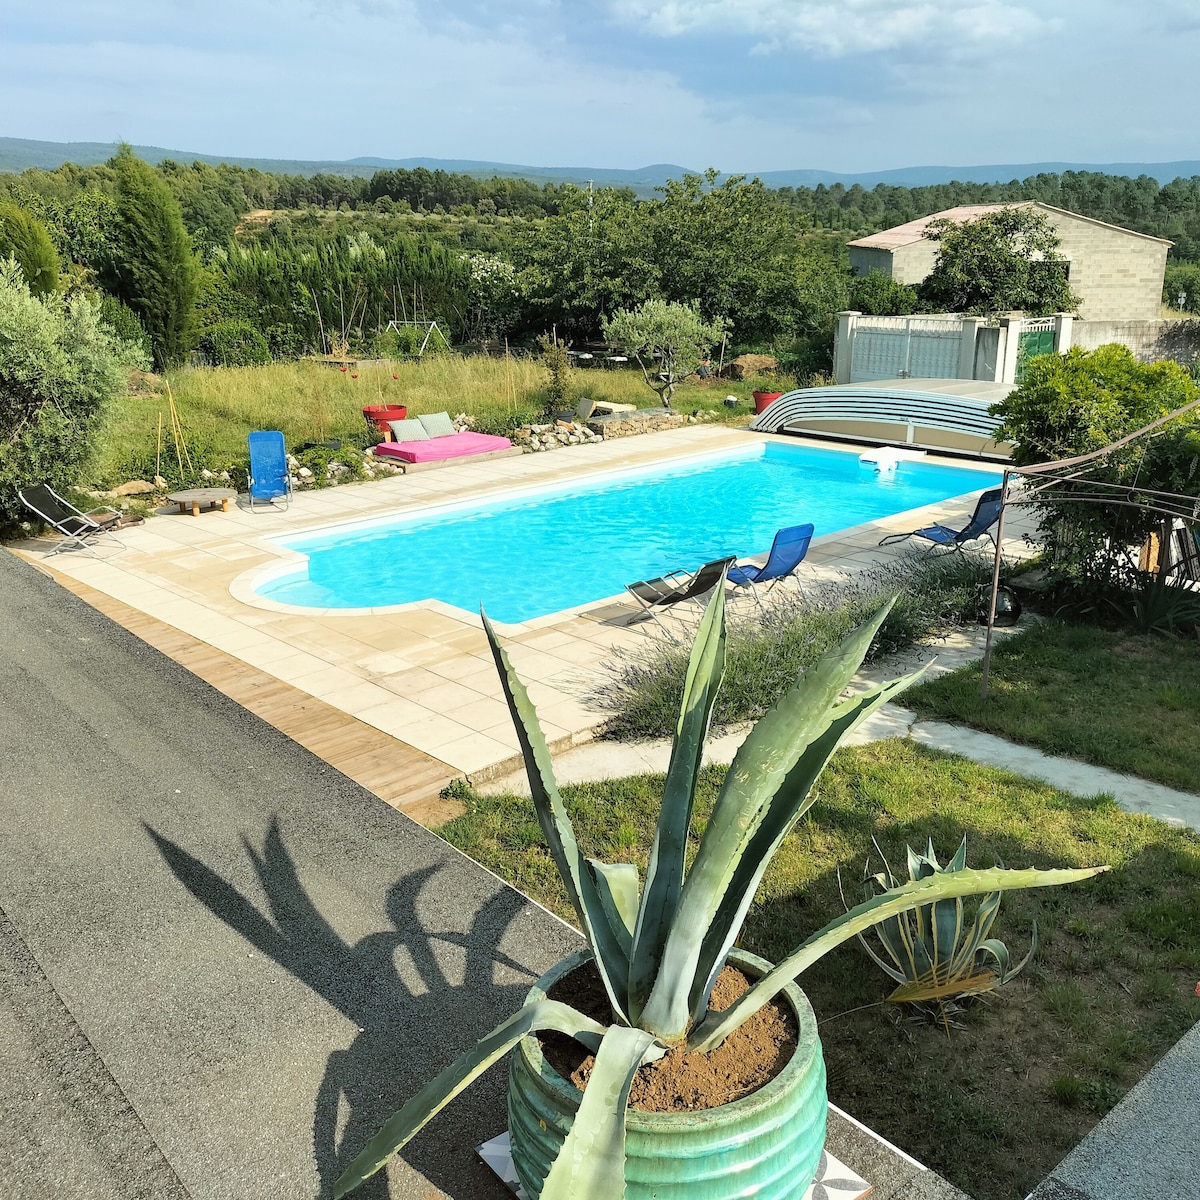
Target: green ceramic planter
{"x": 765, "y": 1146}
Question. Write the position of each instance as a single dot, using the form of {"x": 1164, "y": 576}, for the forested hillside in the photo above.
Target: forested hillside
{"x": 287, "y": 264}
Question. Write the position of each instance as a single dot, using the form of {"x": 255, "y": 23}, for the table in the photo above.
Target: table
{"x": 197, "y": 498}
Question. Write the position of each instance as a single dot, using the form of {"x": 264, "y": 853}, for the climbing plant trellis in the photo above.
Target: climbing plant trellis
{"x": 1042, "y": 477}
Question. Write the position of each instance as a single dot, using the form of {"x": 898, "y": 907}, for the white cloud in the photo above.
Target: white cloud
{"x": 839, "y": 27}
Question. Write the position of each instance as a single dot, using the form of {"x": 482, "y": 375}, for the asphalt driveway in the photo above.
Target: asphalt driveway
{"x": 222, "y": 963}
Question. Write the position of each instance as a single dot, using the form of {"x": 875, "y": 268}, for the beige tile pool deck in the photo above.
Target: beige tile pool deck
{"x": 423, "y": 673}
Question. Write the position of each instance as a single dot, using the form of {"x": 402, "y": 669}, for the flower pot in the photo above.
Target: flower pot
{"x": 378, "y": 416}
{"x": 762, "y": 399}
{"x": 765, "y": 1146}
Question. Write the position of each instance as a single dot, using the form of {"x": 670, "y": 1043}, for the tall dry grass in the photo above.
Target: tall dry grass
{"x": 313, "y": 402}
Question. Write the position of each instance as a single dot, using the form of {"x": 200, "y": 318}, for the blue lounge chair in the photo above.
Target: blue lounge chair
{"x": 787, "y": 553}
{"x": 269, "y": 478}
{"x": 987, "y": 513}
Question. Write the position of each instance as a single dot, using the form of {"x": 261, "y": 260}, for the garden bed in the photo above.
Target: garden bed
{"x": 994, "y": 1105}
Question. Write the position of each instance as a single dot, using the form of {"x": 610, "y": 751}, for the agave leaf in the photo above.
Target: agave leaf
{"x": 891, "y": 971}
{"x": 918, "y": 864}
{"x": 759, "y": 770}
{"x": 960, "y": 855}
{"x": 664, "y": 873}
{"x": 923, "y": 960}
{"x": 785, "y": 808}
{"x": 946, "y": 924}
{"x": 611, "y": 960}
{"x": 617, "y": 885}
{"x": 435, "y": 1095}
{"x": 985, "y": 918}
{"x": 1033, "y": 945}
{"x": 999, "y": 953}
{"x": 928, "y": 988}
{"x": 591, "y": 1162}
{"x": 891, "y": 934}
{"x": 717, "y": 1026}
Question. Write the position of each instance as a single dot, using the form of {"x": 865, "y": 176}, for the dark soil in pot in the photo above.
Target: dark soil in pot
{"x": 680, "y": 1081}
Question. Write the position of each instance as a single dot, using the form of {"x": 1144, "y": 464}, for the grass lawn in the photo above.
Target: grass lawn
{"x": 996, "y": 1105}
{"x": 311, "y": 402}
{"x": 1130, "y": 702}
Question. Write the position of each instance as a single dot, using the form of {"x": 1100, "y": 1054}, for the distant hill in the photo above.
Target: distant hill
{"x": 17, "y": 154}
{"x": 928, "y": 176}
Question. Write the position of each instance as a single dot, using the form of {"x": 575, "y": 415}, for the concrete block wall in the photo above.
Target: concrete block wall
{"x": 1118, "y": 276}
{"x": 1150, "y": 341}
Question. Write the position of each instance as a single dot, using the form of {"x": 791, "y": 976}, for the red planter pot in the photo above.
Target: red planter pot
{"x": 762, "y": 399}
{"x": 378, "y": 416}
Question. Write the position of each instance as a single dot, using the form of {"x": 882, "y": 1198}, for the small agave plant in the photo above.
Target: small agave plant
{"x": 660, "y": 943}
{"x": 935, "y": 956}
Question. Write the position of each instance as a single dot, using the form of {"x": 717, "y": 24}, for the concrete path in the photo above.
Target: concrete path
{"x": 1148, "y": 1147}
{"x": 614, "y": 760}
{"x": 221, "y": 962}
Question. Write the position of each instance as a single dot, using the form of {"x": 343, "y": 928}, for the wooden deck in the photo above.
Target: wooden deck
{"x": 403, "y": 777}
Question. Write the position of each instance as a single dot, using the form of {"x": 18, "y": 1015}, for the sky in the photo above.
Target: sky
{"x": 742, "y": 85}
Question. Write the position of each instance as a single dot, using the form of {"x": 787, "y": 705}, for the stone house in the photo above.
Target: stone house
{"x": 1117, "y": 273}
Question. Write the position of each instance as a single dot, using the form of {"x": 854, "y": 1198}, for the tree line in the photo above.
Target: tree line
{"x": 326, "y": 262}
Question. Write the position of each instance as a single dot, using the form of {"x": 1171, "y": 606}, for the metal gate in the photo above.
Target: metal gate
{"x": 905, "y": 347}
{"x": 1036, "y": 337}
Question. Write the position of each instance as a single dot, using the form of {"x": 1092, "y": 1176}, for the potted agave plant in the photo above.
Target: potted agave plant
{"x": 659, "y": 945}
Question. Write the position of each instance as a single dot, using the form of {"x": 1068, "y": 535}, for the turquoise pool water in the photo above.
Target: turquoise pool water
{"x": 539, "y": 552}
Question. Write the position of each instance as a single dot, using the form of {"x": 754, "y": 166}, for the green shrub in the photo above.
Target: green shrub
{"x": 59, "y": 369}
{"x": 235, "y": 344}
{"x": 318, "y": 460}
{"x": 25, "y": 238}
{"x": 122, "y": 322}
{"x": 767, "y": 651}
{"x": 878, "y": 294}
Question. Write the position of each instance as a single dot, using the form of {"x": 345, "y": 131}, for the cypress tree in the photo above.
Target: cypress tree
{"x": 153, "y": 268}
{"x": 25, "y": 238}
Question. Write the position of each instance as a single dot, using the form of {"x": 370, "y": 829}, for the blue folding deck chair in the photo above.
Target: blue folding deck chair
{"x": 787, "y": 553}
{"x": 987, "y": 513}
{"x": 269, "y": 478}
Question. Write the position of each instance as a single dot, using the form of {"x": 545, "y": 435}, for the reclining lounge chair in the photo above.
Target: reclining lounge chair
{"x": 77, "y": 528}
{"x": 787, "y": 553}
{"x": 675, "y": 588}
{"x": 987, "y": 513}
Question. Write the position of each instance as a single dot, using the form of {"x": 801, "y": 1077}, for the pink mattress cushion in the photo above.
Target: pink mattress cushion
{"x": 455, "y": 445}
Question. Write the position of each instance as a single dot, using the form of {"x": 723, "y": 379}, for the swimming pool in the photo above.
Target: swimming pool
{"x": 543, "y": 550}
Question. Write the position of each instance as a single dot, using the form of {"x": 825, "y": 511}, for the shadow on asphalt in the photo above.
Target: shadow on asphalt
{"x": 408, "y": 1030}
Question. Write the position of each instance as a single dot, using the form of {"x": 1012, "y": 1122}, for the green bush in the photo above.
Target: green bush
{"x": 767, "y": 651}
{"x": 59, "y": 369}
{"x": 235, "y": 344}
{"x": 122, "y": 323}
{"x": 879, "y": 295}
{"x": 25, "y": 238}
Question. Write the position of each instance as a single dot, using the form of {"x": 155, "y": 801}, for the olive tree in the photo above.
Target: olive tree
{"x": 59, "y": 369}
{"x": 668, "y": 340}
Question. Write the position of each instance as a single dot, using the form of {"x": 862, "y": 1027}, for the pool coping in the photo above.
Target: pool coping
{"x": 422, "y": 673}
